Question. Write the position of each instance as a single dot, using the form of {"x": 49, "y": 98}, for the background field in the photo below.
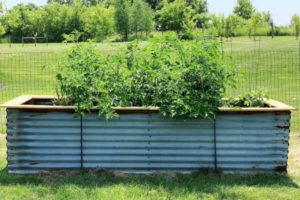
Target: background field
{"x": 272, "y": 65}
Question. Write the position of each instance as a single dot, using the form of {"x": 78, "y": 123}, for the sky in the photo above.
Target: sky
{"x": 281, "y": 10}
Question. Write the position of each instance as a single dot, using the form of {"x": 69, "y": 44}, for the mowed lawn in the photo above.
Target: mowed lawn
{"x": 104, "y": 185}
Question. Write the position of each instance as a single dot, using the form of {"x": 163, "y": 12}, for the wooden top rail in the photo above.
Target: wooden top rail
{"x": 23, "y": 102}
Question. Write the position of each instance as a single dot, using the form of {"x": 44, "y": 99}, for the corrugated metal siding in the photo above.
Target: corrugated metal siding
{"x": 252, "y": 142}
{"x": 146, "y": 142}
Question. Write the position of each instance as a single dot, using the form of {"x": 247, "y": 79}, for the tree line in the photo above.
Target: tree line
{"x": 129, "y": 19}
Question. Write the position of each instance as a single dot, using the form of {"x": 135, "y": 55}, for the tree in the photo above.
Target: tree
{"x": 122, "y": 18}
{"x": 267, "y": 18}
{"x": 72, "y": 37}
{"x": 59, "y": 19}
{"x": 56, "y": 21}
{"x": 218, "y": 24}
{"x": 175, "y": 16}
{"x": 199, "y": 6}
{"x": 200, "y": 10}
{"x": 91, "y": 2}
{"x": 76, "y": 9}
{"x": 98, "y": 21}
{"x": 244, "y": 9}
{"x": 154, "y": 3}
{"x": 254, "y": 22}
{"x": 1, "y": 7}
{"x": 2, "y": 30}
{"x": 60, "y": 1}
{"x": 20, "y": 21}
{"x": 140, "y": 21}
{"x": 147, "y": 24}
{"x": 295, "y": 22}
{"x": 232, "y": 23}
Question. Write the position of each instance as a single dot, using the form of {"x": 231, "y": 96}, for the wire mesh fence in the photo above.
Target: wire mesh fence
{"x": 276, "y": 72}
{"x": 25, "y": 73}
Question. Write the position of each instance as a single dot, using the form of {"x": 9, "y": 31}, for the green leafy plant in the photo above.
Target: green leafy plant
{"x": 88, "y": 79}
{"x": 185, "y": 79}
{"x": 251, "y": 99}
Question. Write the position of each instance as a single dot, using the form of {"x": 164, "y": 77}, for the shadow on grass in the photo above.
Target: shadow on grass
{"x": 201, "y": 182}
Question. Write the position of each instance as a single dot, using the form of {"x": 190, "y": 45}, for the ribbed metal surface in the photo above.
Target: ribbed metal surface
{"x": 252, "y": 142}
{"x": 142, "y": 143}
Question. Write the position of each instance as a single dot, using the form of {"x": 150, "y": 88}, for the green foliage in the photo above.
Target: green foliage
{"x": 122, "y": 18}
{"x": 183, "y": 16}
{"x": 1, "y": 7}
{"x": 218, "y": 24}
{"x": 283, "y": 31}
{"x": 175, "y": 16}
{"x": 255, "y": 22}
{"x": 88, "y": 79}
{"x": 72, "y": 37}
{"x": 55, "y": 27}
{"x": 135, "y": 16}
{"x": 154, "y": 4}
{"x": 184, "y": 79}
{"x": 199, "y": 9}
{"x": 267, "y": 17}
{"x": 244, "y": 9}
{"x": 20, "y": 21}
{"x": 232, "y": 24}
{"x": 60, "y": 1}
{"x": 252, "y": 99}
{"x": 295, "y": 22}
{"x": 69, "y": 2}
{"x": 98, "y": 21}
{"x": 53, "y": 20}
{"x": 227, "y": 26}
{"x": 140, "y": 17}
{"x": 2, "y": 30}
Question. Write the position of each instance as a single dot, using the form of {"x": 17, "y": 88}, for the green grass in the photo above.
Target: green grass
{"x": 277, "y": 73}
{"x": 53, "y": 47}
{"x": 104, "y": 185}
{"x": 243, "y": 44}
{"x": 270, "y": 65}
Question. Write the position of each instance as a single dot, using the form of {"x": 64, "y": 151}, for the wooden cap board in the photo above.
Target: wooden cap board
{"x": 21, "y": 102}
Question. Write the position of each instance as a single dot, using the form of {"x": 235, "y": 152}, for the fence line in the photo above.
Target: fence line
{"x": 277, "y": 72}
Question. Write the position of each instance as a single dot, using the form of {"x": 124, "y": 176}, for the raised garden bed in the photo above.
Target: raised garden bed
{"x": 43, "y": 137}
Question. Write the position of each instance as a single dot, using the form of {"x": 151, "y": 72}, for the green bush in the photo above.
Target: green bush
{"x": 185, "y": 79}
{"x": 251, "y": 99}
{"x": 283, "y": 31}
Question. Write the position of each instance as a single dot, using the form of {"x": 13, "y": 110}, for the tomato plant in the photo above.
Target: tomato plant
{"x": 184, "y": 78}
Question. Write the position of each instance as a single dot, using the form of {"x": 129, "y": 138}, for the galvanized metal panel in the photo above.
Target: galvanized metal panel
{"x": 266, "y": 133}
{"x": 143, "y": 143}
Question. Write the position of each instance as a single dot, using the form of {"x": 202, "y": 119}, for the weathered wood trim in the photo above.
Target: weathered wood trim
{"x": 20, "y": 101}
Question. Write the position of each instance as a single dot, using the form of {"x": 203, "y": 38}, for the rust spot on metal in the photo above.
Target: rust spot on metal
{"x": 250, "y": 112}
{"x": 282, "y": 112}
{"x": 240, "y": 112}
{"x": 70, "y": 111}
{"x": 281, "y": 169}
{"x": 136, "y": 111}
{"x": 283, "y": 127}
{"x": 41, "y": 111}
